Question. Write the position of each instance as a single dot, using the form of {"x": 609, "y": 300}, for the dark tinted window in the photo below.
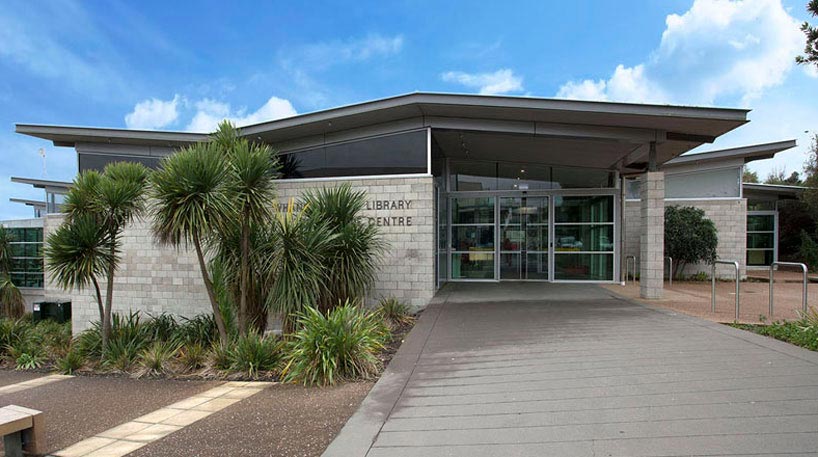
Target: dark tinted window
{"x": 394, "y": 154}
{"x": 98, "y": 161}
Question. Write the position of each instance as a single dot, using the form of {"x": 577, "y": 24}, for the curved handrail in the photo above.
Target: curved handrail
{"x": 804, "y": 292}
{"x": 713, "y": 284}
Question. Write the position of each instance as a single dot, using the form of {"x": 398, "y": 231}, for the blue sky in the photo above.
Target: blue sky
{"x": 174, "y": 66}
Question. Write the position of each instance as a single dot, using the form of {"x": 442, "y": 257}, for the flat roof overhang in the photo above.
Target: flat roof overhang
{"x": 675, "y": 129}
{"x": 41, "y": 183}
{"x": 746, "y": 153}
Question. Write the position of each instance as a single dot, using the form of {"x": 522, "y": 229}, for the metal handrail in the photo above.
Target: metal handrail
{"x": 670, "y": 271}
{"x": 772, "y": 280}
{"x": 627, "y": 269}
{"x": 713, "y": 285}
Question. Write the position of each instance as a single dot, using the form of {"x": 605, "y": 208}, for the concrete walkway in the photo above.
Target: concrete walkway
{"x": 572, "y": 370}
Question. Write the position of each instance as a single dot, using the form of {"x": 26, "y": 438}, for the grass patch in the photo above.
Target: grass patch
{"x": 802, "y": 332}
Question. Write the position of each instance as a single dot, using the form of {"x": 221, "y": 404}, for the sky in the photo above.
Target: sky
{"x": 175, "y": 66}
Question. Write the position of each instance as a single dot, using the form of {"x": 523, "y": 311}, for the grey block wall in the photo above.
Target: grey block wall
{"x": 730, "y": 217}
{"x": 156, "y": 279}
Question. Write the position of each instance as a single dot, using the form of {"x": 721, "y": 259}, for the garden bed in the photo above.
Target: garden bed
{"x": 802, "y": 332}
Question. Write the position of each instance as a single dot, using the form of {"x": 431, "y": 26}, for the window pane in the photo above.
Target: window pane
{"x": 18, "y": 279}
{"x": 511, "y": 238}
{"x": 473, "y": 210}
{"x": 466, "y": 176}
{"x": 710, "y": 183}
{"x": 537, "y": 266}
{"x": 473, "y": 237}
{"x": 392, "y": 154}
{"x": 593, "y": 267}
{"x": 760, "y": 205}
{"x": 761, "y": 223}
{"x": 633, "y": 189}
{"x": 18, "y": 250}
{"x": 510, "y": 267}
{"x": 760, "y": 258}
{"x": 98, "y": 161}
{"x": 509, "y": 210}
{"x": 583, "y": 237}
{"x": 473, "y": 266}
{"x": 760, "y": 240}
{"x": 523, "y": 177}
{"x": 584, "y": 209}
{"x": 580, "y": 178}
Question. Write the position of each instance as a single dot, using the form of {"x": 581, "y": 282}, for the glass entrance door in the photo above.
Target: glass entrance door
{"x": 472, "y": 238}
{"x": 523, "y": 247}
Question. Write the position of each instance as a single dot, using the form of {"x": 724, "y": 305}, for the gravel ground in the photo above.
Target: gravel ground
{"x": 8, "y": 377}
{"x": 81, "y": 407}
{"x": 693, "y": 298}
{"x": 282, "y": 420}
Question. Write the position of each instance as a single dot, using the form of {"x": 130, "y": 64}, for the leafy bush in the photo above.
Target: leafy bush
{"x": 808, "y": 253}
{"x": 192, "y": 356}
{"x": 122, "y": 354}
{"x": 219, "y": 356}
{"x": 802, "y": 332}
{"x": 340, "y": 345}
{"x": 254, "y": 353}
{"x": 689, "y": 236}
{"x": 200, "y": 330}
{"x": 11, "y": 332}
{"x": 30, "y": 360}
{"x": 395, "y": 312}
{"x": 73, "y": 360}
{"x": 160, "y": 328}
{"x": 155, "y": 358}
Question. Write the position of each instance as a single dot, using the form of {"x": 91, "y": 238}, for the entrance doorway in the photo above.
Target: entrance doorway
{"x": 516, "y": 236}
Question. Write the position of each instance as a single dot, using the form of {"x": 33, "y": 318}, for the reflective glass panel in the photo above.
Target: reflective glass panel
{"x": 473, "y": 265}
{"x": 760, "y": 240}
{"x": 473, "y": 175}
{"x": 478, "y": 210}
{"x": 594, "y": 267}
{"x": 583, "y": 238}
{"x": 510, "y": 267}
{"x": 473, "y": 237}
{"x": 597, "y": 208}
{"x": 537, "y": 265}
{"x": 760, "y": 257}
{"x": 760, "y": 223}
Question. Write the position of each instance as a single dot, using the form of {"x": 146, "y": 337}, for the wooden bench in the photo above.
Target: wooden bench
{"x": 22, "y": 430}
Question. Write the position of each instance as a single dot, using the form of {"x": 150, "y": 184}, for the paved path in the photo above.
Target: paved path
{"x": 583, "y": 373}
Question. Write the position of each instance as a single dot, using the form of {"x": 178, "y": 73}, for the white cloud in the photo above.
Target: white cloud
{"x": 210, "y": 112}
{"x": 319, "y": 56}
{"x": 717, "y": 50}
{"x": 153, "y": 114}
{"x": 501, "y": 81}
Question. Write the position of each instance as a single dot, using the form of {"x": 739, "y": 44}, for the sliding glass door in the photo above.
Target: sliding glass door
{"x": 584, "y": 238}
{"x": 524, "y": 238}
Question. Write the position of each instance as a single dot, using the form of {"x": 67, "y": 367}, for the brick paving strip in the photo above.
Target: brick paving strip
{"x": 130, "y": 436}
{"x": 36, "y": 382}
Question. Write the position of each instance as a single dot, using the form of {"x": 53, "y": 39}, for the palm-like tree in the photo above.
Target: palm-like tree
{"x": 12, "y": 304}
{"x": 112, "y": 200}
{"x": 191, "y": 205}
{"x": 252, "y": 172}
{"x": 78, "y": 253}
{"x": 295, "y": 262}
{"x": 354, "y": 256}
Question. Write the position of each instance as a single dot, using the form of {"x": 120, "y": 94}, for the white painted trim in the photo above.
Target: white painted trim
{"x": 429, "y": 150}
{"x": 690, "y": 199}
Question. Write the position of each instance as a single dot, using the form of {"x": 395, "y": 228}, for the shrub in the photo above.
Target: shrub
{"x": 155, "y": 358}
{"x": 89, "y": 343}
{"x": 689, "y": 236}
{"x": 160, "y": 328}
{"x": 192, "y": 356}
{"x": 219, "y": 356}
{"x": 808, "y": 253}
{"x": 340, "y": 345}
{"x": 30, "y": 360}
{"x": 73, "y": 360}
{"x": 121, "y": 354}
{"x": 254, "y": 353}
{"x": 200, "y": 330}
{"x": 394, "y": 312}
{"x": 11, "y": 332}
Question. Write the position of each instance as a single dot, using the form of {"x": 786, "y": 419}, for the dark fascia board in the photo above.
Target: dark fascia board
{"x": 774, "y": 188}
{"x": 468, "y": 101}
{"x": 69, "y": 136}
{"x": 27, "y": 202}
{"x": 40, "y": 183}
{"x": 748, "y": 153}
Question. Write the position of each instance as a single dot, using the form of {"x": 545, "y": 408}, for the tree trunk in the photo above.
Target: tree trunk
{"x": 217, "y": 314}
{"x": 109, "y": 299}
{"x": 245, "y": 273}
{"x": 99, "y": 299}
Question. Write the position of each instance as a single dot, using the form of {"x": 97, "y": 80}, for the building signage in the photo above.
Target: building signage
{"x": 389, "y": 205}
{"x": 376, "y": 205}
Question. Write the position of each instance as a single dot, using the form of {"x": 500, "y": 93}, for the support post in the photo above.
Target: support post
{"x": 652, "y": 239}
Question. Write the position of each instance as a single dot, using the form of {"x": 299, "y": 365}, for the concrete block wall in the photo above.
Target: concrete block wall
{"x": 730, "y": 217}
{"x": 408, "y": 269}
{"x": 156, "y": 279}
{"x": 151, "y": 279}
